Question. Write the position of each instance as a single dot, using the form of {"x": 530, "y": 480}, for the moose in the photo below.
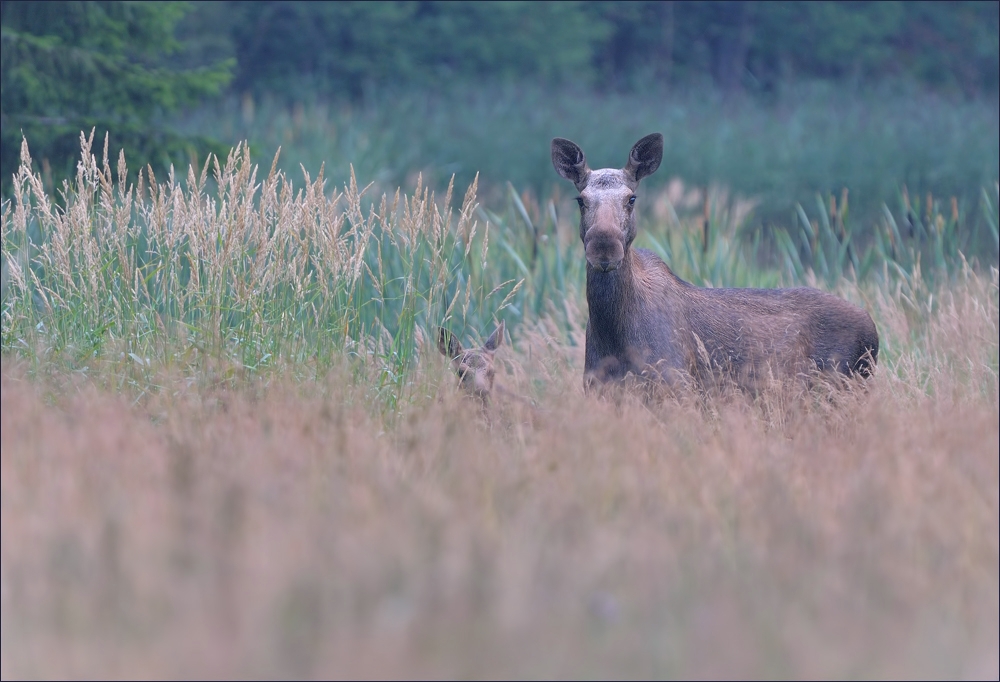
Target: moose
{"x": 475, "y": 370}
{"x": 645, "y": 320}
{"x": 474, "y": 366}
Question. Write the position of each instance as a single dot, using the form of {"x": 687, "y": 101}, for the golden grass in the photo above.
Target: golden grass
{"x": 285, "y": 528}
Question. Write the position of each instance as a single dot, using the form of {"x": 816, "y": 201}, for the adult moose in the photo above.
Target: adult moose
{"x": 647, "y": 321}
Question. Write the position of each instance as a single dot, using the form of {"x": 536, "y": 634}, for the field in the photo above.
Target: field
{"x": 229, "y": 447}
{"x": 813, "y": 138}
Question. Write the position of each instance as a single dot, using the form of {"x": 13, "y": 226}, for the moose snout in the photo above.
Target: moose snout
{"x": 482, "y": 388}
{"x": 605, "y": 254}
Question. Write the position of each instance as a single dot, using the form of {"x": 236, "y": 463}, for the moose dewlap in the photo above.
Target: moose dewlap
{"x": 645, "y": 320}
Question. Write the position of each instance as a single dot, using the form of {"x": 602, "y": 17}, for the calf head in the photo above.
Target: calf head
{"x": 607, "y": 197}
{"x": 474, "y": 366}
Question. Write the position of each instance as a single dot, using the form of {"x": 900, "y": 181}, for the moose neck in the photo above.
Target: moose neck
{"x": 613, "y": 297}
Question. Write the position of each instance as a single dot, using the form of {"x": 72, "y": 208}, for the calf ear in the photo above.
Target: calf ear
{"x": 496, "y": 338}
{"x": 569, "y": 162}
{"x": 645, "y": 156}
{"x": 448, "y": 344}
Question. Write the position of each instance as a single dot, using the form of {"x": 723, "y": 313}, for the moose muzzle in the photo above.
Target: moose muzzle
{"x": 605, "y": 251}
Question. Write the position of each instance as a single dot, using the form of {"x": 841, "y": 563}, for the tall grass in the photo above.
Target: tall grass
{"x": 256, "y": 274}
{"x": 936, "y": 238}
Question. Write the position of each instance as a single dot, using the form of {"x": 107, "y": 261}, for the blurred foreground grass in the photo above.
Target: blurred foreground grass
{"x": 281, "y": 529}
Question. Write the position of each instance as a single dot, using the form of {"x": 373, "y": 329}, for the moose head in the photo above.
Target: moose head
{"x": 607, "y": 197}
{"x": 474, "y": 366}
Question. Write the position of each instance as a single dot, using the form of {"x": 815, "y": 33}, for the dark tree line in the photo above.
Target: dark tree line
{"x": 126, "y": 66}
{"x": 69, "y": 67}
{"x": 339, "y": 49}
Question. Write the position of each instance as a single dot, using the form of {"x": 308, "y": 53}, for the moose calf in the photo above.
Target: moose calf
{"x": 474, "y": 366}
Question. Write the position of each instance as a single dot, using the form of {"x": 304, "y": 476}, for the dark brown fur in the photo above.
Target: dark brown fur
{"x": 647, "y": 321}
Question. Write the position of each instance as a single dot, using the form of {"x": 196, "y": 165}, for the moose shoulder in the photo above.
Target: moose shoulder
{"x": 647, "y": 321}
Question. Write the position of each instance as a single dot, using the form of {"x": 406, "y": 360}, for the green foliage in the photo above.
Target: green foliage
{"x": 303, "y": 50}
{"x": 73, "y": 66}
{"x": 813, "y": 140}
{"x": 956, "y": 44}
{"x": 765, "y": 46}
{"x": 926, "y": 239}
{"x": 123, "y": 67}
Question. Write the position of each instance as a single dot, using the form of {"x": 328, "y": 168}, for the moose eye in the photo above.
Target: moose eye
{"x": 631, "y": 200}
{"x": 579, "y": 202}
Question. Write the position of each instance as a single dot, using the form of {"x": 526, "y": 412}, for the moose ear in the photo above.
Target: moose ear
{"x": 448, "y": 344}
{"x": 569, "y": 161}
{"x": 645, "y": 156}
{"x": 496, "y": 338}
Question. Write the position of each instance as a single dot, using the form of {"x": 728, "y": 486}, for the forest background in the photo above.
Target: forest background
{"x": 775, "y": 101}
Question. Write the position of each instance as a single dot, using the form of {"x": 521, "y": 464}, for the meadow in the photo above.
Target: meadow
{"x": 777, "y": 149}
{"x": 230, "y": 448}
